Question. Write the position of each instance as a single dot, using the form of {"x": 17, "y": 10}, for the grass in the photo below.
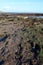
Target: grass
{"x": 26, "y": 30}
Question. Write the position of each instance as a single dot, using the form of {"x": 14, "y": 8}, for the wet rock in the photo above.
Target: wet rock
{"x": 3, "y": 38}
{"x": 1, "y": 62}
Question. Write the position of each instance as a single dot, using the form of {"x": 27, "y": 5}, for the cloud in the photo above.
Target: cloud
{"x": 6, "y": 8}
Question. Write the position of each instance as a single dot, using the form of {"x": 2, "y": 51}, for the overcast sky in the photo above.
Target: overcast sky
{"x": 28, "y": 6}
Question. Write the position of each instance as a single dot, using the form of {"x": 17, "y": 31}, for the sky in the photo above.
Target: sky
{"x": 21, "y": 6}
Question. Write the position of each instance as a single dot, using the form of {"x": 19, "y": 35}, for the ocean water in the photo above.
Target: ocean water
{"x": 35, "y": 16}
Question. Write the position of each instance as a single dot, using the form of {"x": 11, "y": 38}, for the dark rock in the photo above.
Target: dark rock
{"x": 37, "y": 47}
